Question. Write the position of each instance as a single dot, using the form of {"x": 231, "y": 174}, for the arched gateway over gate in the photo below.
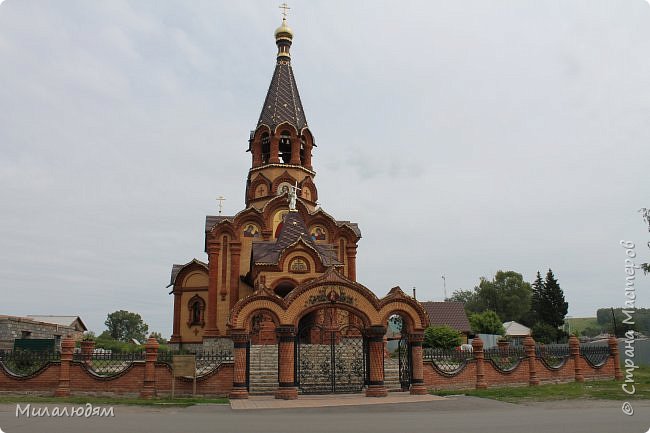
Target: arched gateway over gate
{"x": 329, "y": 336}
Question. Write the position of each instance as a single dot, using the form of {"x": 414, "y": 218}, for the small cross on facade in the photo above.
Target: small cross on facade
{"x": 285, "y": 7}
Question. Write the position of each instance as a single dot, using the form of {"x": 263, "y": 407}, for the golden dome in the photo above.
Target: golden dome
{"x": 284, "y": 29}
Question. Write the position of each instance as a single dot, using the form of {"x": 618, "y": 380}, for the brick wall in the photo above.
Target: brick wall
{"x": 12, "y": 328}
{"x": 574, "y": 368}
{"x": 150, "y": 377}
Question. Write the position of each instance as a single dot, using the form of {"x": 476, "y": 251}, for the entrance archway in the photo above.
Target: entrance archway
{"x": 331, "y": 352}
{"x": 262, "y": 354}
{"x": 331, "y": 313}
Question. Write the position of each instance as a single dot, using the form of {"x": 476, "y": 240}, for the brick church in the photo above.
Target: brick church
{"x": 280, "y": 280}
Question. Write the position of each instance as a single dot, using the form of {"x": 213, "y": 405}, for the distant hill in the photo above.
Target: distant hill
{"x": 579, "y": 324}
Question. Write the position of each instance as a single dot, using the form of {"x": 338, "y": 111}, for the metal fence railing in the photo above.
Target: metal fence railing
{"x": 595, "y": 354}
{"x": 448, "y": 361}
{"x": 505, "y": 358}
{"x": 25, "y": 362}
{"x": 206, "y": 362}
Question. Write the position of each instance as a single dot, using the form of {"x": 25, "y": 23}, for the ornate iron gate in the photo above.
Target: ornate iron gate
{"x": 329, "y": 361}
{"x": 404, "y": 362}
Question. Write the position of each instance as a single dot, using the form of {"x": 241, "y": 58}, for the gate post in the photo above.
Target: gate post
{"x": 286, "y": 375}
{"x": 149, "y": 383}
{"x": 417, "y": 374}
{"x": 67, "y": 349}
{"x": 529, "y": 347}
{"x": 613, "y": 351}
{"x": 376, "y": 387}
{"x": 477, "y": 350}
{"x": 239, "y": 386}
{"x": 574, "y": 349}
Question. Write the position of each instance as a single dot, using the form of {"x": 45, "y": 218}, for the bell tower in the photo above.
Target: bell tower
{"x": 281, "y": 144}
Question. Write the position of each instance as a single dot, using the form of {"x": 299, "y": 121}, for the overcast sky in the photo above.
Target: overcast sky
{"x": 463, "y": 136}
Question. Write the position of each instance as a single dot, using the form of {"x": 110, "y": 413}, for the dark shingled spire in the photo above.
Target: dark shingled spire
{"x": 282, "y": 103}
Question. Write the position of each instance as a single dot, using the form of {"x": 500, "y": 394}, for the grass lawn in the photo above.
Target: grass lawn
{"x": 109, "y": 401}
{"x": 579, "y": 324}
{"x": 602, "y": 389}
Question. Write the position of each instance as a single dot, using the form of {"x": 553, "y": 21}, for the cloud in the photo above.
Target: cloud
{"x": 469, "y": 138}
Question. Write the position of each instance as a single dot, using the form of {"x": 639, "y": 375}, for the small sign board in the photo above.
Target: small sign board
{"x": 184, "y": 365}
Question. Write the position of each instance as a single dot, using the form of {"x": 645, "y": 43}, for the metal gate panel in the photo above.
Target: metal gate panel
{"x": 404, "y": 363}
{"x": 329, "y": 361}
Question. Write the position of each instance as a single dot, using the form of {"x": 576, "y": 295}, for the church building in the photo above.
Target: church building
{"x": 279, "y": 286}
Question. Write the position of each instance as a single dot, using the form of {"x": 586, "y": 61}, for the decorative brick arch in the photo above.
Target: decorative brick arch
{"x": 329, "y": 290}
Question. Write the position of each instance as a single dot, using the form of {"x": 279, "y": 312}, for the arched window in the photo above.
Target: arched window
{"x": 302, "y": 150}
{"x": 284, "y": 287}
{"x": 266, "y": 148}
{"x": 196, "y": 307}
{"x": 285, "y": 146}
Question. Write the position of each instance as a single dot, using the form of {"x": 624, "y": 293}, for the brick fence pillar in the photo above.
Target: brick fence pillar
{"x": 477, "y": 350}
{"x": 286, "y": 363}
{"x": 151, "y": 349}
{"x": 67, "y": 348}
{"x": 529, "y": 346}
{"x": 574, "y": 349}
{"x": 87, "y": 350}
{"x": 239, "y": 384}
{"x": 417, "y": 379}
{"x": 376, "y": 387}
{"x": 613, "y": 351}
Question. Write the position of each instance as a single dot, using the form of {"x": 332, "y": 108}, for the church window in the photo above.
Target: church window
{"x": 284, "y": 287}
{"x": 196, "y": 307}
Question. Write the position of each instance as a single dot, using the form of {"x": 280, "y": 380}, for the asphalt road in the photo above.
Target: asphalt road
{"x": 455, "y": 414}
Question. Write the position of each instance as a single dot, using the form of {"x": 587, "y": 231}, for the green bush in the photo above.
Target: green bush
{"x": 442, "y": 337}
{"x": 105, "y": 341}
{"x": 544, "y": 333}
{"x": 487, "y": 322}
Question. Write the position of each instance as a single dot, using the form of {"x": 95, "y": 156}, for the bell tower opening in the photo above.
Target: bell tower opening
{"x": 266, "y": 148}
{"x": 285, "y": 147}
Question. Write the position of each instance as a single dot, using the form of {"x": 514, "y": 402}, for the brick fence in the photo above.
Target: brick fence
{"x": 526, "y": 365}
{"x": 146, "y": 377}
{"x": 149, "y": 374}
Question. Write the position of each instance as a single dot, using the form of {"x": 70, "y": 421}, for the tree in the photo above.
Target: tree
{"x": 124, "y": 326}
{"x": 507, "y": 294}
{"x": 487, "y": 322}
{"x": 640, "y": 321}
{"x": 469, "y": 298}
{"x": 159, "y": 338}
{"x": 544, "y": 333}
{"x": 555, "y": 306}
{"x": 536, "y": 301}
{"x": 442, "y": 337}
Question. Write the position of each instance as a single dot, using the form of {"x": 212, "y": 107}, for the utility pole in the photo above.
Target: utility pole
{"x": 444, "y": 285}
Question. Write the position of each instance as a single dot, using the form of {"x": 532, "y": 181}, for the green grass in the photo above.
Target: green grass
{"x": 602, "y": 389}
{"x": 579, "y": 324}
{"x": 109, "y": 401}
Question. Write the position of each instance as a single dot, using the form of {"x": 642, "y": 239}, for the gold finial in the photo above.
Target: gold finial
{"x": 285, "y": 7}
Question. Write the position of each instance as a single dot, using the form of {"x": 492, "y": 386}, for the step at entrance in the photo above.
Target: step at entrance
{"x": 263, "y": 373}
